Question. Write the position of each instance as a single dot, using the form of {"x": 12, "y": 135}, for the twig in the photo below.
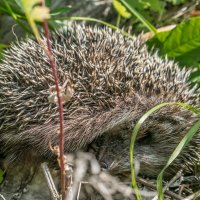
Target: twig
{"x": 50, "y": 182}
{"x": 193, "y": 196}
{"x": 178, "y": 175}
{"x": 152, "y": 186}
{"x": 2, "y": 197}
{"x": 79, "y": 188}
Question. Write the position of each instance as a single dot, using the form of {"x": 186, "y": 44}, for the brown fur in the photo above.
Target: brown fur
{"x": 115, "y": 81}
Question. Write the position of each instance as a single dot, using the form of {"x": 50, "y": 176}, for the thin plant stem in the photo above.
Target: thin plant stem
{"x": 50, "y": 182}
{"x": 118, "y": 20}
{"x": 28, "y": 7}
{"x": 60, "y": 107}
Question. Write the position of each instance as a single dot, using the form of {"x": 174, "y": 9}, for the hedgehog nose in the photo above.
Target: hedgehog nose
{"x": 104, "y": 165}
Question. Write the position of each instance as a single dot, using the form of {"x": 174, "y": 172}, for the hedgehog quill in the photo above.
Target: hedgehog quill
{"x": 115, "y": 81}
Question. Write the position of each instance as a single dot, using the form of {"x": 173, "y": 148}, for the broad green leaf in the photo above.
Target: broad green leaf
{"x": 191, "y": 58}
{"x": 181, "y": 43}
{"x": 121, "y": 9}
{"x": 182, "y": 39}
{"x": 158, "y": 40}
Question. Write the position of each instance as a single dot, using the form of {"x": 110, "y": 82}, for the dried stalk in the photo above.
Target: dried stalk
{"x": 2, "y": 197}
{"x": 50, "y": 182}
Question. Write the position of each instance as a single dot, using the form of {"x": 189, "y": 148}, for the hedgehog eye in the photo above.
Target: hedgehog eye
{"x": 99, "y": 141}
{"x": 146, "y": 139}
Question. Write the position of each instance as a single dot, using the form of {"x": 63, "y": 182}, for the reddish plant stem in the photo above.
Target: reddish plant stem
{"x": 61, "y": 117}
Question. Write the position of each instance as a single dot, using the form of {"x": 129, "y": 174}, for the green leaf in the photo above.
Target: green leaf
{"x": 158, "y": 40}
{"x": 181, "y": 43}
{"x": 184, "y": 38}
{"x": 19, "y": 3}
{"x": 121, "y": 9}
{"x": 195, "y": 77}
{"x": 48, "y": 3}
{"x": 191, "y": 58}
{"x": 9, "y": 9}
{"x": 155, "y": 5}
{"x": 59, "y": 11}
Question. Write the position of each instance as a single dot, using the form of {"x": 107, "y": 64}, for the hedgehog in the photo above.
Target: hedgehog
{"x": 115, "y": 81}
